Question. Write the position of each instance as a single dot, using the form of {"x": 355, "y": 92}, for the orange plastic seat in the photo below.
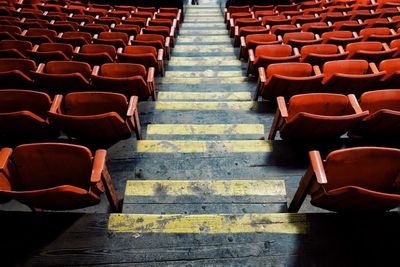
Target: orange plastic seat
{"x": 14, "y": 49}
{"x": 247, "y": 30}
{"x": 130, "y": 30}
{"x": 283, "y": 8}
{"x": 116, "y": 39}
{"x": 163, "y": 22}
{"x": 16, "y": 73}
{"x": 142, "y": 14}
{"x": 147, "y": 56}
{"x": 38, "y": 36}
{"x": 125, "y": 8}
{"x": 275, "y": 20}
{"x": 351, "y": 76}
{"x": 317, "y": 116}
{"x": 54, "y": 16}
{"x": 46, "y": 52}
{"x": 333, "y": 17}
{"x": 384, "y": 35}
{"x": 281, "y": 30}
{"x": 81, "y": 19}
{"x": 94, "y": 28}
{"x": 319, "y": 54}
{"x": 141, "y": 22}
{"x": 302, "y": 19}
{"x": 299, "y": 39}
{"x": 264, "y": 55}
{"x": 23, "y": 114}
{"x": 384, "y": 118}
{"x": 95, "y": 54}
{"x": 161, "y": 30}
{"x": 260, "y": 14}
{"x": 235, "y": 25}
{"x": 8, "y": 32}
{"x": 363, "y": 15}
{"x": 63, "y": 26}
{"x": 349, "y": 25}
{"x": 392, "y": 76}
{"x": 370, "y": 51}
{"x": 155, "y": 40}
{"x": 381, "y": 23}
{"x": 151, "y": 10}
{"x": 356, "y": 180}
{"x": 340, "y": 38}
{"x": 109, "y": 21}
{"x": 121, "y": 14}
{"x": 96, "y": 116}
{"x": 287, "y": 79}
{"x": 95, "y": 12}
{"x": 125, "y": 78}
{"x": 55, "y": 176}
{"x": 61, "y": 77}
{"x": 317, "y": 27}
{"x": 253, "y": 40}
{"x": 74, "y": 38}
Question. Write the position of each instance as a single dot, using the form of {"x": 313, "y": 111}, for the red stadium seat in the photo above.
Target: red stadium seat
{"x": 147, "y": 56}
{"x": 319, "y": 54}
{"x": 16, "y": 73}
{"x": 95, "y": 54}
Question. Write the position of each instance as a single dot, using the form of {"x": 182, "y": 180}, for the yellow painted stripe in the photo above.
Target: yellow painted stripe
{"x": 205, "y": 19}
{"x": 205, "y": 129}
{"x": 183, "y": 146}
{"x": 203, "y": 38}
{"x": 200, "y": 32}
{"x": 204, "y": 61}
{"x": 204, "y": 25}
{"x": 229, "y": 80}
{"x": 284, "y": 223}
{"x": 205, "y": 96}
{"x": 202, "y": 74}
{"x": 207, "y": 105}
{"x": 148, "y": 188}
{"x": 203, "y": 48}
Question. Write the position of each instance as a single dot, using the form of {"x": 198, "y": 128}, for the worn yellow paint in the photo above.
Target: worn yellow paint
{"x": 202, "y": 74}
{"x": 150, "y": 188}
{"x": 203, "y": 48}
{"x": 203, "y": 38}
{"x": 206, "y": 105}
{"x": 205, "y": 25}
{"x": 196, "y": 146}
{"x": 204, "y": 129}
{"x": 229, "y": 80}
{"x": 205, "y": 96}
{"x": 205, "y": 19}
{"x": 284, "y": 223}
{"x": 200, "y": 32}
{"x": 204, "y": 61}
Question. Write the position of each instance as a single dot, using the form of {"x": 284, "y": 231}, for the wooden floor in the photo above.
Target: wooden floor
{"x": 204, "y": 188}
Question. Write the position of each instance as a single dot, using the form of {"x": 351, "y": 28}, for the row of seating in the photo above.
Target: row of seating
{"x": 353, "y": 76}
{"x": 85, "y": 116}
{"x": 322, "y": 116}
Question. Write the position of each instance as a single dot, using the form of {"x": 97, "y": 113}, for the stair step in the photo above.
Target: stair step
{"x": 205, "y": 105}
{"x": 202, "y": 74}
{"x": 203, "y": 48}
{"x": 204, "y": 61}
{"x": 249, "y": 86}
{"x": 195, "y": 146}
{"x": 205, "y": 129}
{"x": 226, "y": 80}
{"x": 212, "y": 96}
{"x": 208, "y": 223}
{"x": 203, "y": 32}
{"x": 204, "y": 25}
{"x": 202, "y": 39}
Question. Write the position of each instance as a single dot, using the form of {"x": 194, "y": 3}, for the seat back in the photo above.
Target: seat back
{"x": 381, "y": 99}
{"x": 319, "y": 54}
{"x": 16, "y": 73}
{"x": 96, "y": 54}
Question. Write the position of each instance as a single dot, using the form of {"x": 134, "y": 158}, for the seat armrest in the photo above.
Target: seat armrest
{"x": 99, "y": 162}
{"x": 237, "y": 31}
{"x": 296, "y": 51}
{"x": 167, "y": 41}
{"x": 160, "y": 54}
{"x": 261, "y": 75}
{"x": 317, "y": 70}
{"x": 354, "y": 103}
{"x": 150, "y": 75}
{"x": 282, "y": 106}
{"x": 172, "y": 32}
{"x": 77, "y": 49}
{"x": 35, "y": 48}
{"x": 318, "y": 166}
{"x": 251, "y": 55}
{"x": 40, "y": 68}
{"x": 385, "y": 46}
{"x": 5, "y": 154}
{"x": 120, "y": 50}
{"x": 56, "y": 105}
{"x": 341, "y": 49}
{"x": 133, "y": 102}
{"x": 373, "y": 67}
{"x": 96, "y": 70}
{"x": 242, "y": 41}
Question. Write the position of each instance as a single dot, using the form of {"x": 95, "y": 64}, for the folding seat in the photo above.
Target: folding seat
{"x": 101, "y": 6}
{"x": 363, "y": 6}
{"x": 130, "y": 9}
{"x": 81, "y": 18}
{"x": 73, "y": 9}
{"x": 247, "y": 30}
{"x": 147, "y": 56}
{"x": 109, "y": 21}
{"x": 392, "y": 69}
{"x": 141, "y": 14}
{"x": 151, "y": 10}
{"x": 253, "y": 40}
{"x": 305, "y": 19}
{"x": 370, "y": 51}
{"x": 116, "y": 39}
{"x": 310, "y": 4}
{"x": 287, "y": 79}
{"x": 316, "y": 116}
{"x": 96, "y": 116}
{"x": 281, "y": 30}
{"x": 340, "y": 38}
{"x": 161, "y": 30}
{"x": 49, "y": 8}
{"x": 351, "y": 76}
{"x": 363, "y": 15}
{"x": 333, "y": 17}
{"x": 381, "y": 22}
{"x": 125, "y": 78}
{"x": 141, "y": 22}
{"x": 95, "y": 12}
{"x": 130, "y": 30}
{"x": 350, "y": 25}
{"x": 8, "y": 32}
{"x": 46, "y": 52}
{"x": 168, "y": 16}
{"x": 63, "y": 26}
{"x": 61, "y": 77}
{"x": 38, "y": 36}
{"x": 292, "y": 13}
{"x": 270, "y": 21}
{"x": 94, "y": 28}
{"x": 299, "y": 39}
{"x": 256, "y": 8}
{"x": 56, "y": 176}
{"x": 235, "y": 25}
{"x": 396, "y": 45}
{"x": 170, "y": 10}
{"x": 236, "y": 10}
{"x": 384, "y": 118}
{"x": 356, "y": 180}
{"x": 315, "y": 11}
{"x": 339, "y": 8}
{"x": 384, "y": 35}
{"x": 163, "y": 22}
{"x": 118, "y": 14}
{"x": 155, "y": 40}
{"x": 56, "y": 16}
{"x": 27, "y": 24}
{"x": 26, "y": 13}
{"x": 319, "y": 54}
{"x": 265, "y": 13}
{"x": 95, "y": 54}
{"x": 265, "y": 55}
{"x": 388, "y": 12}
{"x": 23, "y": 115}
{"x": 5, "y": 11}
{"x": 74, "y": 38}
{"x": 16, "y": 73}
{"x": 317, "y": 27}
{"x": 14, "y": 49}
{"x": 283, "y": 8}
